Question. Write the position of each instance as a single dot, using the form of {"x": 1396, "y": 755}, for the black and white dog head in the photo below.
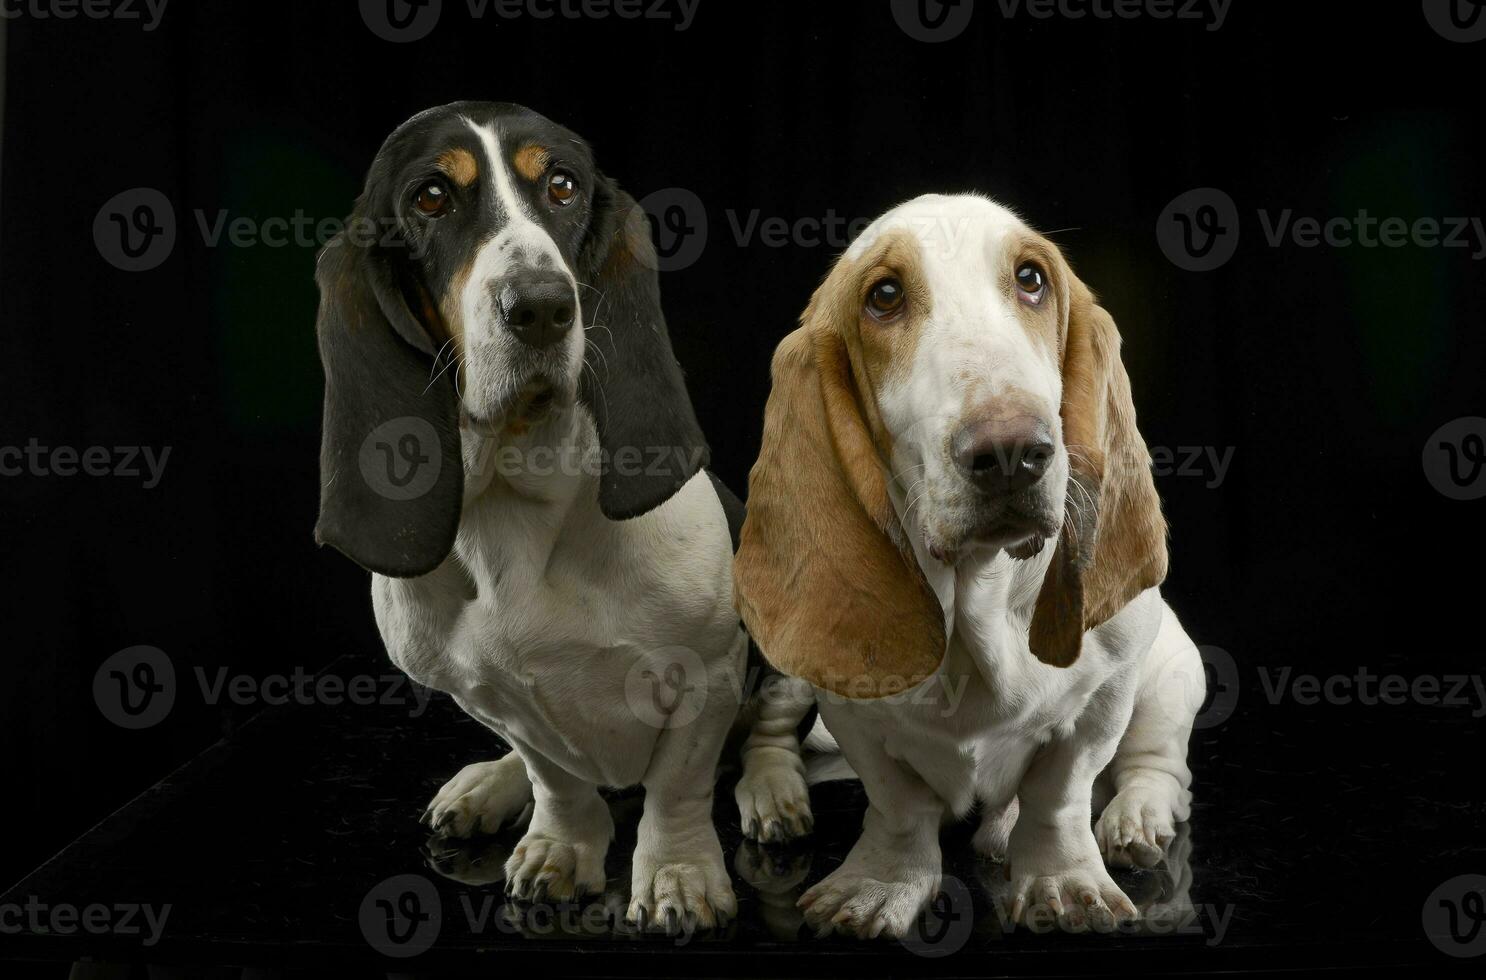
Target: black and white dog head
{"x": 485, "y": 255}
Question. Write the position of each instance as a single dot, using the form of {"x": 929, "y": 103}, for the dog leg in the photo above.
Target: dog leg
{"x": 773, "y": 801}
{"x": 679, "y": 882}
{"x": 561, "y": 857}
{"x": 893, "y": 871}
{"x": 1149, "y": 774}
{"x": 1052, "y": 858}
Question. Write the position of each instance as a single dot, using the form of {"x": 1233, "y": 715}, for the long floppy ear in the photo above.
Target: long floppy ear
{"x": 648, "y": 431}
{"x": 825, "y": 578}
{"x": 1113, "y": 543}
{"x": 391, "y": 473}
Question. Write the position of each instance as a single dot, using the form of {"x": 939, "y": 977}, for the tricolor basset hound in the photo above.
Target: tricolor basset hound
{"x": 491, "y": 320}
{"x": 954, "y": 536}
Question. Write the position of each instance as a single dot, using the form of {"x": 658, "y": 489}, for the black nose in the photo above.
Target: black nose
{"x": 1002, "y": 456}
{"x": 538, "y": 311}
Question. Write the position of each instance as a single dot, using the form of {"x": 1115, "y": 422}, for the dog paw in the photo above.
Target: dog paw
{"x": 1135, "y": 829}
{"x": 1081, "y": 898}
{"x": 543, "y": 868}
{"x": 681, "y": 895}
{"x": 773, "y": 800}
{"x": 482, "y": 798}
{"x": 867, "y": 905}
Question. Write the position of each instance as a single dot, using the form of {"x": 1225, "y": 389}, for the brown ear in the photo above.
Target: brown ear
{"x": 824, "y": 577}
{"x": 1113, "y": 543}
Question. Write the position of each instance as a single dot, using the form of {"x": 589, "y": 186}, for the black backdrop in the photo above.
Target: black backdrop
{"x": 1326, "y": 369}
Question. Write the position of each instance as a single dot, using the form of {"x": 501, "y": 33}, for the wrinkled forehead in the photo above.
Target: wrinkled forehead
{"x": 458, "y": 139}
{"x": 955, "y": 235}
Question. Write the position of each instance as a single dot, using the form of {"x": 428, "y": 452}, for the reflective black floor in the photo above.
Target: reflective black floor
{"x": 286, "y": 847}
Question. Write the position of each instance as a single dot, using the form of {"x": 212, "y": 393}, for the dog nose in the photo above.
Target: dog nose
{"x": 538, "y": 311}
{"x": 1002, "y": 456}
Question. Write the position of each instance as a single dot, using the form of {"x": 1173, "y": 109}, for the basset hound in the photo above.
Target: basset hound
{"x": 510, "y": 450}
{"x": 954, "y": 536}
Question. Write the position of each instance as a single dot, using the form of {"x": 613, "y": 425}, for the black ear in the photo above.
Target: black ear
{"x": 391, "y": 473}
{"x": 647, "y": 428}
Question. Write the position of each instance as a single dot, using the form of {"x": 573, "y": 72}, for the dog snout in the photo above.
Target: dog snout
{"x": 1003, "y": 455}
{"x": 539, "y": 311}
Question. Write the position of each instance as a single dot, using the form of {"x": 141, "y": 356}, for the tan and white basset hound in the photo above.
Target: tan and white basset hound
{"x": 953, "y": 534}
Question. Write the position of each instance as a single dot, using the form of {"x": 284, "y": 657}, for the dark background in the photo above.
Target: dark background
{"x": 1326, "y": 369}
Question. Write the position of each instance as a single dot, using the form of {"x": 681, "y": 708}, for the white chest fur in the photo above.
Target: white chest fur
{"x": 560, "y": 607}
{"x": 970, "y": 729}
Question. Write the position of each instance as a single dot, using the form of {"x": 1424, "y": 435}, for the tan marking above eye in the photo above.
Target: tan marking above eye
{"x": 459, "y": 165}
{"x": 531, "y": 161}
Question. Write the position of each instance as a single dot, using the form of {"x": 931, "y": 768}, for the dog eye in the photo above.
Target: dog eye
{"x": 885, "y": 299}
{"x": 562, "y": 189}
{"x": 1031, "y": 284}
{"x": 432, "y": 199}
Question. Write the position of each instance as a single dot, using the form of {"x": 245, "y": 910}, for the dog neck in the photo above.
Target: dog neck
{"x": 527, "y": 484}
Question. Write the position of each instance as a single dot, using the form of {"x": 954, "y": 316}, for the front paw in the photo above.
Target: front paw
{"x": 544, "y": 868}
{"x": 867, "y": 900}
{"x": 1077, "y": 893}
{"x": 482, "y": 798}
{"x": 1135, "y": 828}
{"x": 773, "y": 800}
{"x": 681, "y": 893}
